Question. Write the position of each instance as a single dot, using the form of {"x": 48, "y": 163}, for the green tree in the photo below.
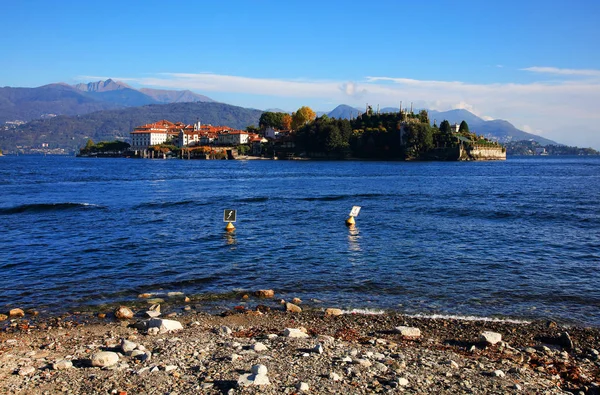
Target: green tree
{"x": 445, "y": 127}
{"x": 464, "y": 127}
{"x": 423, "y": 116}
{"x": 89, "y": 145}
{"x": 271, "y": 119}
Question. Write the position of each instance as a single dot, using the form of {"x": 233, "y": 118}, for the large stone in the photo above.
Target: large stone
{"x": 165, "y": 326}
{"x": 257, "y": 377}
{"x": 265, "y": 293}
{"x": 26, "y": 371}
{"x": 297, "y": 301}
{"x": 294, "y": 332}
{"x": 63, "y": 364}
{"x": 15, "y": 313}
{"x": 408, "y": 332}
{"x": 258, "y": 347}
{"x": 127, "y": 346}
{"x": 565, "y": 340}
{"x": 490, "y": 337}
{"x": 104, "y": 359}
{"x": 124, "y": 313}
{"x": 259, "y": 369}
{"x": 293, "y": 308}
{"x": 224, "y": 330}
{"x": 3, "y": 317}
{"x": 333, "y": 311}
{"x": 152, "y": 314}
{"x": 302, "y": 387}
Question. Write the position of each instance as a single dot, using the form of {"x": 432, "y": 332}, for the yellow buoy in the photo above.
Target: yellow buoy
{"x": 230, "y": 227}
{"x": 350, "y": 221}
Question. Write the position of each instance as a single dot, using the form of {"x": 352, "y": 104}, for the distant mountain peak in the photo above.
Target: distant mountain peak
{"x": 102, "y": 86}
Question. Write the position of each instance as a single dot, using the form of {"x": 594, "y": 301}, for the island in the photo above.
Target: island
{"x": 401, "y": 135}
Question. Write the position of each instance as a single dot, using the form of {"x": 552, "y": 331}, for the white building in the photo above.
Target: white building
{"x": 233, "y": 138}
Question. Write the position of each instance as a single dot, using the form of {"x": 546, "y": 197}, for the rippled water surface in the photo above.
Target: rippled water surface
{"x": 517, "y": 239}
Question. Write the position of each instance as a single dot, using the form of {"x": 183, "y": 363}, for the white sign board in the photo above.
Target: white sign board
{"x": 229, "y": 215}
{"x": 355, "y": 210}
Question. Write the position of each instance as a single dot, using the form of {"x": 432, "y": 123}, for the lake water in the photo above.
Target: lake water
{"x": 518, "y": 239}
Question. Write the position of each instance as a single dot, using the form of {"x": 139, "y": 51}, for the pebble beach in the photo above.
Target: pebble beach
{"x": 269, "y": 346}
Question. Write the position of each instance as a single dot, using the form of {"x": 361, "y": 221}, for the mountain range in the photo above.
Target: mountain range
{"x": 496, "y": 129}
{"x": 65, "y": 116}
{"x": 26, "y": 104}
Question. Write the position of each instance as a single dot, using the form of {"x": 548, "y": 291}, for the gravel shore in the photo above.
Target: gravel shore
{"x": 257, "y": 349}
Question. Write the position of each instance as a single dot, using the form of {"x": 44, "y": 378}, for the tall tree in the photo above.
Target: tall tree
{"x": 286, "y": 122}
{"x": 302, "y": 117}
{"x": 464, "y": 127}
{"x": 271, "y": 119}
{"x": 445, "y": 127}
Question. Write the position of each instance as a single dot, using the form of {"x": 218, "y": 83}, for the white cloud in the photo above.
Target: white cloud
{"x": 558, "y": 71}
{"x": 565, "y": 111}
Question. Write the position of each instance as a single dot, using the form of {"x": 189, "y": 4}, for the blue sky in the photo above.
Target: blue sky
{"x": 534, "y": 63}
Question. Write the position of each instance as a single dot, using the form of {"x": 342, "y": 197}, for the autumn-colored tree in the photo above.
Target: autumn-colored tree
{"x": 286, "y": 122}
{"x": 302, "y": 117}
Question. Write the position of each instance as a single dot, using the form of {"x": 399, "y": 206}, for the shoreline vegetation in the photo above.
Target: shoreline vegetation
{"x": 264, "y": 345}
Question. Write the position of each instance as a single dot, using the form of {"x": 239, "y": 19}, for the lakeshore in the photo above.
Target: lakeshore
{"x": 317, "y": 351}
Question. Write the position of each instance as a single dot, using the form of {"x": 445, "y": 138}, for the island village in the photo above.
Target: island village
{"x": 401, "y": 135}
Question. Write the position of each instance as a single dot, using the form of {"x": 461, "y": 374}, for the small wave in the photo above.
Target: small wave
{"x": 330, "y": 198}
{"x": 467, "y": 318}
{"x": 169, "y": 204}
{"x": 254, "y": 199}
{"x": 47, "y": 207}
{"x": 364, "y": 312}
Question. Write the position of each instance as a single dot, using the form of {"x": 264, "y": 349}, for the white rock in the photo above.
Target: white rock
{"x": 302, "y": 387}
{"x": 105, "y": 359}
{"x": 174, "y": 294}
{"x": 224, "y": 331}
{"x": 498, "y": 373}
{"x": 259, "y": 369}
{"x": 402, "y": 382}
{"x": 234, "y": 357}
{"x": 334, "y": 376}
{"x": 272, "y": 336}
{"x": 258, "y": 347}
{"x": 293, "y": 332}
{"x": 490, "y": 337}
{"x": 169, "y": 368}
{"x": 152, "y": 314}
{"x": 261, "y": 379}
{"x": 127, "y": 345}
{"x": 63, "y": 364}
{"x": 347, "y": 359}
{"x": 408, "y": 331}
{"x": 165, "y": 326}
{"x": 26, "y": 371}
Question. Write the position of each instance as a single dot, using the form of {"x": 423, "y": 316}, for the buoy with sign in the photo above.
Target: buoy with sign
{"x": 229, "y": 216}
{"x": 353, "y": 213}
